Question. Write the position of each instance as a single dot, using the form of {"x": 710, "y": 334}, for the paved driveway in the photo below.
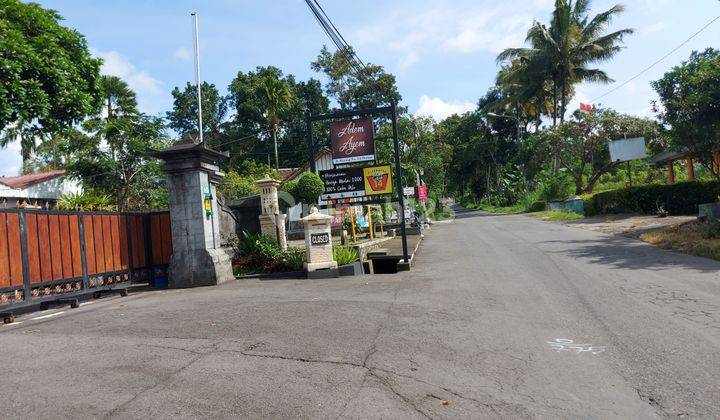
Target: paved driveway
{"x": 502, "y": 316}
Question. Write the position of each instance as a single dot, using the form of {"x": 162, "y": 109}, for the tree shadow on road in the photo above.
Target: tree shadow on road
{"x": 621, "y": 252}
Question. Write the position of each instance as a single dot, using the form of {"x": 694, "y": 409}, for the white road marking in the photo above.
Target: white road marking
{"x": 87, "y": 303}
{"x": 563, "y": 344}
{"x": 47, "y": 316}
{"x": 12, "y": 323}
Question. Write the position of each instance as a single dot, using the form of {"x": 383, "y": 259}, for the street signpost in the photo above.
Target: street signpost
{"x": 351, "y": 141}
{"x": 626, "y": 150}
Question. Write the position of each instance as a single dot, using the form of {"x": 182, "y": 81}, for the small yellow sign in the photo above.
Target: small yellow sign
{"x": 378, "y": 180}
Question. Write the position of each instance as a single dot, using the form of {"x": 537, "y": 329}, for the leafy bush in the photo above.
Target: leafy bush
{"x": 309, "y": 188}
{"x": 85, "y": 201}
{"x": 234, "y": 186}
{"x": 711, "y": 230}
{"x": 555, "y": 187}
{"x": 536, "y": 206}
{"x": 680, "y": 198}
{"x": 294, "y": 258}
{"x": 258, "y": 252}
{"x": 344, "y": 255}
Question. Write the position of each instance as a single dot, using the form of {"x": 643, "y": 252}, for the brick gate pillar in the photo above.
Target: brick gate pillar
{"x": 192, "y": 178}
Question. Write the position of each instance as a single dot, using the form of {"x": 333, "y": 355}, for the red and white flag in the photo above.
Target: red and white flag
{"x": 586, "y": 107}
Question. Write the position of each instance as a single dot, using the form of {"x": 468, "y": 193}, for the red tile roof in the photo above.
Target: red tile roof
{"x": 24, "y": 181}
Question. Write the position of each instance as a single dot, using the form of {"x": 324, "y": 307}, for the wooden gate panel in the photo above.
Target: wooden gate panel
{"x": 75, "y": 246}
{"x": 55, "y": 247}
{"x": 4, "y": 253}
{"x": 33, "y": 247}
{"x": 115, "y": 234}
{"x": 99, "y": 248}
{"x": 44, "y": 246}
{"x": 15, "y": 253}
{"x": 66, "y": 246}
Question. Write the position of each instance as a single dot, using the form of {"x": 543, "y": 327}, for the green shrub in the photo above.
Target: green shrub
{"x": 711, "y": 230}
{"x": 294, "y": 259}
{"x": 344, "y": 254}
{"x": 680, "y": 198}
{"x": 258, "y": 251}
{"x": 85, "y": 201}
{"x": 536, "y": 206}
{"x": 555, "y": 187}
{"x": 234, "y": 186}
{"x": 309, "y": 188}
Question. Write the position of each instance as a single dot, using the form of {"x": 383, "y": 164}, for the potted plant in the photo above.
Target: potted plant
{"x": 348, "y": 261}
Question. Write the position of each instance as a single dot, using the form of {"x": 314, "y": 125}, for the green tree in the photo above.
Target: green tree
{"x": 113, "y": 159}
{"x": 562, "y": 52}
{"x": 274, "y": 96}
{"x": 48, "y": 79}
{"x": 583, "y": 142}
{"x": 245, "y": 134}
{"x": 117, "y": 97}
{"x": 367, "y": 87}
{"x": 689, "y": 105}
{"x": 184, "y": 116}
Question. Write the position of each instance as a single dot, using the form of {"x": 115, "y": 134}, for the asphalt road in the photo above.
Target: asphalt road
{"x": 502, "y": 316}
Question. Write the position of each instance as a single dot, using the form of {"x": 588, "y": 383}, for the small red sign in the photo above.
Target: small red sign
{"x": 422, "y": 192}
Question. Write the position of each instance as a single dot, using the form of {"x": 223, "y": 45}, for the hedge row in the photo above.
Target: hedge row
{"x": 680, "y": 198}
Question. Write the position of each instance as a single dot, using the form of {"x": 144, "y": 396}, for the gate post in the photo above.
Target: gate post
{"x": 192, "y": 178}
{"x": 272, "y": 222}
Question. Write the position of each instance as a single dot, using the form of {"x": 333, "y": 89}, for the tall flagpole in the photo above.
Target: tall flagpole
{"x": 197, "y": 76}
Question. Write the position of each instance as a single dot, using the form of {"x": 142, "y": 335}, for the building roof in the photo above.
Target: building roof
{"x": 289, "y": 174}
{"x": 666, "y": 157}
{"x": 25, "y": 181}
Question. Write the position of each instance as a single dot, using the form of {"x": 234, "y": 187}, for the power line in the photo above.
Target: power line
{"x": 335, "y": 36}
{"x": 658, "y": 61}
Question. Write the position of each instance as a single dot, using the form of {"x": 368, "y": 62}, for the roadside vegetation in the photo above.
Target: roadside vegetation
{"x": 696, "y": 238}
{"x": 556, "y": 215}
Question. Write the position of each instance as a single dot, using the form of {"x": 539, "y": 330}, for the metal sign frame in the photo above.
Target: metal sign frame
{"x": 369, "y": 112}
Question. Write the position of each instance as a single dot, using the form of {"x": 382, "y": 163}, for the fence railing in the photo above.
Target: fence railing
{"x": 48, "y": 255}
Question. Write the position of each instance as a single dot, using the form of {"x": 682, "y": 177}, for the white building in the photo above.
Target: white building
{"x": 40, "y": 187}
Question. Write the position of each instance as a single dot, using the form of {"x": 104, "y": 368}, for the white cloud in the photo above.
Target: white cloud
{"x": 182, "y": 54}
{"x": 439, "y": 109}
{"x": 408, "y": 60}
{"x": 467, "y": 27}
{"x": 115, "y": 64}
{"x": 631, "y": 87}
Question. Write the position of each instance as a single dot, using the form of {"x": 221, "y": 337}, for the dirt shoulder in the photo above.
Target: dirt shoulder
{"x": 630, "y": 225}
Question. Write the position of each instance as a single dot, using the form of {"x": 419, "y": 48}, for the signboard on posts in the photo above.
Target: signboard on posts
{"x": 625, "y": 150}
{"x": 356, "y": 182}
{"x": 352, "y": 141}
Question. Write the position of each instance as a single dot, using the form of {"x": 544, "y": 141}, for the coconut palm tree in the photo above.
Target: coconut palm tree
{"x": 118, "y": 98}
{"x": 29, "y": 135}
{"x": 275, "y": 96}
{"x": 563, "y": 52}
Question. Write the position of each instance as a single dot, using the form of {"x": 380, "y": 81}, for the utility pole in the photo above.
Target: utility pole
{"x": 196, "y": 34}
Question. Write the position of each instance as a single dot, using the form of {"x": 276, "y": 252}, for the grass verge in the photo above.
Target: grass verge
{"x": 556, "y": 215}
{"x": 694, "y": 238}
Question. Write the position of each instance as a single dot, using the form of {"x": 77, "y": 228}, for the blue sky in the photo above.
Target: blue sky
{"x": 442, "y": 52}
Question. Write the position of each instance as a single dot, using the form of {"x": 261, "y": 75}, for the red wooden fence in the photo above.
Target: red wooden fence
{"x": 44, "y": 254}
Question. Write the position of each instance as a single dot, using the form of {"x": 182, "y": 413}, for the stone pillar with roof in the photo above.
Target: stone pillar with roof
{"x": 272, "y": 222}
{"x": 318, "y": 242}
{"x": 192, "y": 177}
